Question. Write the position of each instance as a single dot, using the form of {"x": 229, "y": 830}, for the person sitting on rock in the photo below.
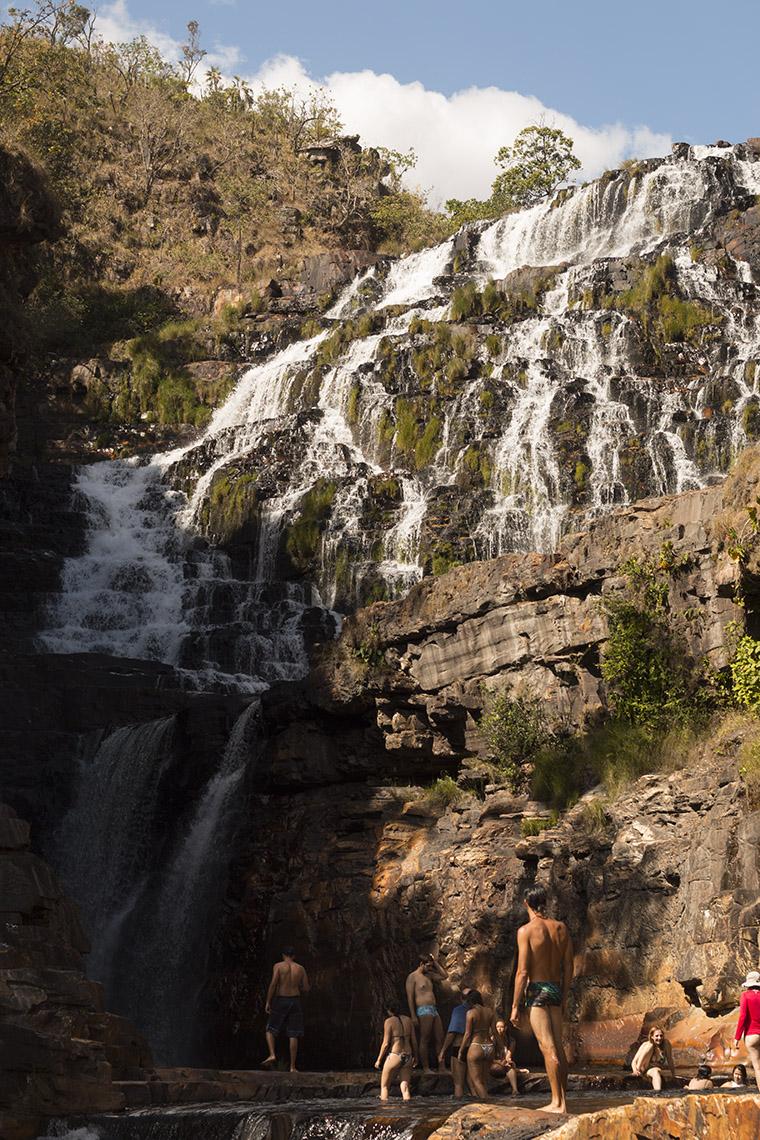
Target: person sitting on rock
{"x": 504, "y": 1063}
{"x": 399, "y": 1047}
{"x": 702, "y": 1080}
{"x": 477, "y": 1044}
{"x": 652, "y": 1057}
{"x": 452, "y": 1041}
{"x": 738, "y": 1078}
{"x": 748, "y": 1025}
{"x": 283, "y": 1005}
{"x": 422, "y": 1008}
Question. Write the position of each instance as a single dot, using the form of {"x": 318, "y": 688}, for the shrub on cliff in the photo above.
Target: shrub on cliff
{"x": 745, "y": 673}
{"x": 515, "y": 731}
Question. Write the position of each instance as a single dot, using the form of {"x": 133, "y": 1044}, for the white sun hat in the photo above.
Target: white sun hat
{"x": 752, "y": 979}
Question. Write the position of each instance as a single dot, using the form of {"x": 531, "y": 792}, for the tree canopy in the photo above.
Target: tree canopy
{"x": 538, "y": 162}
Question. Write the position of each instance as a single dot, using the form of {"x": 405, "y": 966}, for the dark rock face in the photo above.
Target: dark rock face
{"x": 59, "y": 1050}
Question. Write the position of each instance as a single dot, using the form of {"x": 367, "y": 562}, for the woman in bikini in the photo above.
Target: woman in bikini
{"x": 653, "y": 1057}
{"x": 399, "y": 1047}
{"x": 477, "y": 1044}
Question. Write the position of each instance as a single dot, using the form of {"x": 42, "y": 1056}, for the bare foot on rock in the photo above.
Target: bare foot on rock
{"x": 270, "y": 1060}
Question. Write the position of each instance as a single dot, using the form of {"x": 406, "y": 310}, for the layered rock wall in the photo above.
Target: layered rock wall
{"x": 346, "y": 855}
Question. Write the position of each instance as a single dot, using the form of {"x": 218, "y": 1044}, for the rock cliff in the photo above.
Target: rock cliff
{"x": 59, "y": 1050}
{"x": 347, "y": 855}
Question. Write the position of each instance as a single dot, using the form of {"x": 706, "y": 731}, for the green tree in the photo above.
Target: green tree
{"x": 538, "y": 162}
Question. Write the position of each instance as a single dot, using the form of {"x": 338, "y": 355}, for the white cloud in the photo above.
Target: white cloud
{"x": 454, "y": 136}
{"x": 114, "y": 24}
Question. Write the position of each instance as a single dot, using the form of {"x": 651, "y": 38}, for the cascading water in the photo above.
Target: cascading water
{"x": 408, "y": 435}
{"x": 149, "y": 884}
{"x": 108, "y": 839}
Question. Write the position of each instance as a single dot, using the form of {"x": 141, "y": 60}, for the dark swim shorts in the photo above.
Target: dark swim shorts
{"x": 286, "y": 1017}
{"x": 543, "y": 994}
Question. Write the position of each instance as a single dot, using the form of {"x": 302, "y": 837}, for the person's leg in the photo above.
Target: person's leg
{"x": 655, "y": 1076}
{"x": 556, "y": 1015}
{"x": 475, "y": 1071}
{"x": 272, "y": 1047}
{"x": 389, "y": 1068}
{"x": 512, "y": 1078}
{"x": 405, "y": 1078}
{"x": 426, "y": 1030}
{"x": 753, "y": 1052}
{"x": 541, "y": 1024}
{"x": 458, "y": 1073}
{"x": 293, "y": 1053}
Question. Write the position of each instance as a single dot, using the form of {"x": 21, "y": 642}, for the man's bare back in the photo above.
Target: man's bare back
{"x": 547, "y": 941}
{"x": 288, "y": 979}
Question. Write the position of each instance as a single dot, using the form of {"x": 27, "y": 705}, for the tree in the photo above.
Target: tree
{"x": 538, "y": 162}
{"x": 192, "y": 53}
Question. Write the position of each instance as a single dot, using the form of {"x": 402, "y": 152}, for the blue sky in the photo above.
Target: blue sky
{"x": 455, "y": 81}
{"x": 684, "y": 67}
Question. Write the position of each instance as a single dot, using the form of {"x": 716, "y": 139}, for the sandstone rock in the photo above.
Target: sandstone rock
{"x": 497, "y": 1122}
{"x": 710, "y": 1117}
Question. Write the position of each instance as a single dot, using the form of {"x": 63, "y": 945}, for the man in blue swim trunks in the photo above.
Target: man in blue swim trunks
{"x": 422, "y": 1008}
{"x": 544, "y": 974}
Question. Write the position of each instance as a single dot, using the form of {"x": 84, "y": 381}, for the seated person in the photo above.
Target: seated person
{"x": 738, "y": 1078}
{"x": 702, "y": 1080}
{"x": 654, "y": 1056}
{"x": 504, "y": 1062}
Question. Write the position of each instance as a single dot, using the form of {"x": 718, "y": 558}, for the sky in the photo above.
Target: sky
{"x": 457, "y": 79}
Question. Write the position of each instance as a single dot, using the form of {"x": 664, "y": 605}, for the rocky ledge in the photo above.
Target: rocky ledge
{"x": 709, "y": 1117}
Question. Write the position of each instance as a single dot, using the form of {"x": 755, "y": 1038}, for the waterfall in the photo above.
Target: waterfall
{"x": 150, "y": 884}
{"x": 569, "y": 414}
{"x": 107, "y": 841}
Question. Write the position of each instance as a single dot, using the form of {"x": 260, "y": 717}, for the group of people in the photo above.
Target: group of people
{"x": 654, "y": 1057}
{"x": 479, "y": 1041}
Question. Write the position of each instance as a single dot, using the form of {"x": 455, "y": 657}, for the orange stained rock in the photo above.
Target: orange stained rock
{"x": 711, "y": 1117}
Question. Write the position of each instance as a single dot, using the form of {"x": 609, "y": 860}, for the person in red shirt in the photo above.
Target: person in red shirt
{"x": 748, "y": 1025}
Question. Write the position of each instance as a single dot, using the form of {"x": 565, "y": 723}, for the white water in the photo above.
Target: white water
{"x": 144, "y": 587}
{"x": 149, "y": 883}
{"x": 107, "y": 840}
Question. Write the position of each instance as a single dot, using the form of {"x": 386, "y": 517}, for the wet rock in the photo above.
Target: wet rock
{"x": 498, "y": 1122}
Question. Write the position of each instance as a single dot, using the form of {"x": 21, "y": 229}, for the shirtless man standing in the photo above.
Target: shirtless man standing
{"x": 283, "y": 1005}
{"x": 424, "y": 1013}
{"x": 545, "y": 966}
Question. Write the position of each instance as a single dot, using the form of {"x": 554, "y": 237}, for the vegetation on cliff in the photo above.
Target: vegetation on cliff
{"x": 171, "y": 189}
